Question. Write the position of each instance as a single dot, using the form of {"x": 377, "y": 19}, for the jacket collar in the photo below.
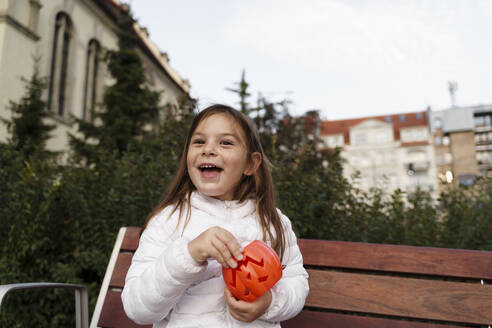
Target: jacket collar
{"x": 225, "y": 209}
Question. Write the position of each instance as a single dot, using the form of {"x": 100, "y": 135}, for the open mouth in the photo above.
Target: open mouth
{"x": 210, "y": 170}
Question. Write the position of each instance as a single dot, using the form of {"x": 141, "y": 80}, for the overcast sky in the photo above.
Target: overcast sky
{"x": 348, "y": 58}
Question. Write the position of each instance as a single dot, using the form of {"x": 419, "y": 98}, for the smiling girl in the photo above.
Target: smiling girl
{"x": 221, "y": 200}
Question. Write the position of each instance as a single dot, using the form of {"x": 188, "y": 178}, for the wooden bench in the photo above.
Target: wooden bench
{"x": 356, "y": 285}
{"x": 351, "y": 285}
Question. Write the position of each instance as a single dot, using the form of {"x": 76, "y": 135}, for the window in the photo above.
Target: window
{"x": 91, "y": 73}
{"x": 339, "y": 141}
{"x": 446, "y": 141}
{"x": 483, "y": 120}
{"x": 484, "y": 157}
{"x": 59, "y": 64}
{"x": 406, "y": 135}
{"x": 34, "y": 7}
{"x": 419, "y": 116}
{"x": 420, "y": 134}
{"x": 467, "y": 179}
{"x": 402, "y": 118}
{"x": 382, "y": 137}
{"x": 438, "y": 141}
{"x": 449, "y": 176}
{"x": 481, "y": 138}
{"x": 333, "y": 141}
{"x": 437, "y": 123}
{"x": 360, "y": 139}
{"x": 411, "y": 135}
{"x": 388, "y": 119}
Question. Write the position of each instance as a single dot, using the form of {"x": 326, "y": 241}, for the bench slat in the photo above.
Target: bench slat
{"x": 120, "y": 269}
{"x": 132, "y": 236}
{"x": 398, "y": 296}
{"x": 113, "y": 315}
{"x": 313, "y": 319}
{"x": 397, "y": 258}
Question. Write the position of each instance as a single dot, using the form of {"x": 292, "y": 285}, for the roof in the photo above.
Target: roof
{"x": 113, "y": 8}
{"x": 399, "y": 121}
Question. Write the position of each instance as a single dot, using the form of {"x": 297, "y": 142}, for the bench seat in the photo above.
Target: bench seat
{"x": 356, "y": 285}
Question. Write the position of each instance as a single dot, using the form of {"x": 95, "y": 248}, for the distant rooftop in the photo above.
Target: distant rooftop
{"x": 399, "y": 120}
{"x": 455, "y": 119}
{"x": 114, "y": 8}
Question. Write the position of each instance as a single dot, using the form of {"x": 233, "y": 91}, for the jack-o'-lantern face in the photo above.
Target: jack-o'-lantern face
{"x": 259, "y": 270}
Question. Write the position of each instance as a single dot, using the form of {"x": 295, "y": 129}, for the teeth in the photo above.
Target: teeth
{"x": 207, "y": 166}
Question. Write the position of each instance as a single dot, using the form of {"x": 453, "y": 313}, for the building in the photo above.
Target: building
{"x": 482, "y": 118}
{"x": 390, "y": 152}
{"x": 462, "y": 137}
{"x": 69, "y": 37}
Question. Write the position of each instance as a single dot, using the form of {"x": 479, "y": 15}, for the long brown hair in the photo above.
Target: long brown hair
{"x": 258, "y": 186}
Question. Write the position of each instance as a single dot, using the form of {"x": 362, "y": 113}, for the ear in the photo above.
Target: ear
{"x": 255, "y": 162}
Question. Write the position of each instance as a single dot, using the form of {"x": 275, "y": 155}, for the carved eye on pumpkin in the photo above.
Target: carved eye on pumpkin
{"x": 259, "y": 270}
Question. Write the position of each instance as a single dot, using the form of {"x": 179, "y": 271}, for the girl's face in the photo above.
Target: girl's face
{"x": 217, "y": 156}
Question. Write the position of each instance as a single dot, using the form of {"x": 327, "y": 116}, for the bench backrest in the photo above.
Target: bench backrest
{"x": 377, "y": 285}
{"x": 356, "y": 285}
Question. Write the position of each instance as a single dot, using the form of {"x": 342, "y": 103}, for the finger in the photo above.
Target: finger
{"x": 217, "y": 255}
{"x": 233, "y": 302}
{"x": 238, "y": 306}
{"x": 236, "y": 316}
{"x": 232, "y": 244}
{"x": 230, "y": 299}
{"x": 224, "y": 252}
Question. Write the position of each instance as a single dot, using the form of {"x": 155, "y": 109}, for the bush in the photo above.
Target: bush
{"x": 59, "y": 223}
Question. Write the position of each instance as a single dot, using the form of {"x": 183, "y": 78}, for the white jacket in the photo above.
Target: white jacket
{"x": 166, "y": 287}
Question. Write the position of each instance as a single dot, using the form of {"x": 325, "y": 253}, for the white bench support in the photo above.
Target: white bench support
{"x": 81, "y": 297}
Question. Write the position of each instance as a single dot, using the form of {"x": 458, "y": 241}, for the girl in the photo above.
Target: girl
{"x": 221, "y": 199}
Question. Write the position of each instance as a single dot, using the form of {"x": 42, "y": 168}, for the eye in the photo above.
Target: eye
{"x": 226, "y": 142}
{"x": 198, "y": 141}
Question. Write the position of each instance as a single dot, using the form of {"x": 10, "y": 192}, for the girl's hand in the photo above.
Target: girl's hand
{"x": 247, "y": 311}
{"x": 216, "y": 243}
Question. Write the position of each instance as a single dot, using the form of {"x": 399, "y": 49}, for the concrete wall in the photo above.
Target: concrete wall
{"x": 19, "y": 43}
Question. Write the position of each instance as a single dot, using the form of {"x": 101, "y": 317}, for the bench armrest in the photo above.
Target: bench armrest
{"x": 81, "y": 297}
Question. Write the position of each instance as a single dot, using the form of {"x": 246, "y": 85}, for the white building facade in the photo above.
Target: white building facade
{"x": 388, "y": 152}
{"x": 69, "y": 38}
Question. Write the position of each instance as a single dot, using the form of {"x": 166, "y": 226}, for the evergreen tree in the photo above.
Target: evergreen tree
{"x": 129, "y": 106}
{"x": 242, "y": 92}
{"x": 27, "y": 127}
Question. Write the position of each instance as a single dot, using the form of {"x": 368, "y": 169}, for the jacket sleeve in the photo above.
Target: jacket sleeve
{"x": 161, "y": 270}
{"x": 290, "y": 292}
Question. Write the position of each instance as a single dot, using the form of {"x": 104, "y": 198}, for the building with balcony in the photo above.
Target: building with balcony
{"x": 69, "y": 37}
{"x": 482, "y": 119}
{"x": 390, "y": 152}
{"x": 462, "y": 137}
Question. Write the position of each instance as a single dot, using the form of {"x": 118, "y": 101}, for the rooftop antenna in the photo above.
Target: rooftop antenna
{"x": 452, "y": 87}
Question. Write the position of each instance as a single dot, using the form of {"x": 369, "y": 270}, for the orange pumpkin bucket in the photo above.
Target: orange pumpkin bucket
{"x": 255, "y": 274}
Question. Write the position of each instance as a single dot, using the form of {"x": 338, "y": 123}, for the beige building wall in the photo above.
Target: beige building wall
{"x": 457, "y": 142}
{"x": 17, "y": 46}
{"x": 384, "y": 162}
{"x": 462, "y": 146}
{"x": 21, "y": 38}
{"x": 443, "y": 158}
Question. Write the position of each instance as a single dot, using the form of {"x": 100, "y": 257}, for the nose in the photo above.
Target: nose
{"x": 209, "y": 149}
